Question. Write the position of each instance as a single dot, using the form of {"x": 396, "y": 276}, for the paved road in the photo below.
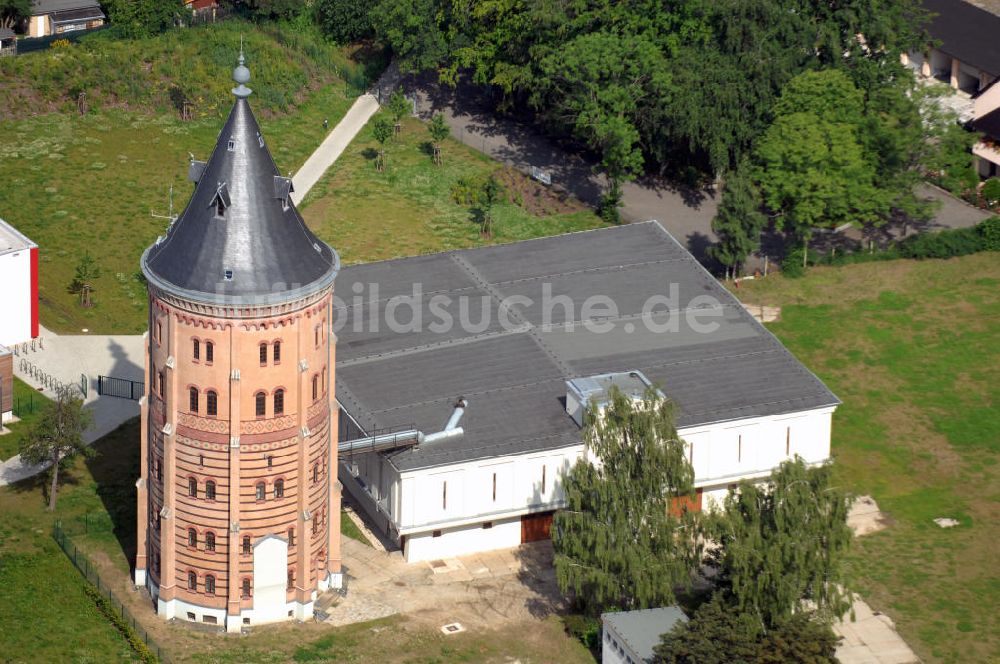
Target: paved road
{"x": 687, "y": 214}
{"x": 65, "y": 358}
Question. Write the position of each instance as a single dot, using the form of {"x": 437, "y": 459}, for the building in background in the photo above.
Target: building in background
{"x": 18, "y": 286}
{"x": 8, "y": 42}
{"x": 441, "y": 487}
{"x": 966, "y": 51}
{"x": 628, "y": 637}
{"x": 238, "y": 506}
{"x": 55, "y": 17}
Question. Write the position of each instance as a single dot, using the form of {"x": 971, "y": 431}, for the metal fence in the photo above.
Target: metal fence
{"x": 120, "y": 387}
{"x": 32, "y": 44}
{"x": 89, "y": 572}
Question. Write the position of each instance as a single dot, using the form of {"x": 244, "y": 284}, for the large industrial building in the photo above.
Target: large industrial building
{"x": 552, "y": 324}
{"x": 19, "y": 294}
{"x": 238, "y": 506}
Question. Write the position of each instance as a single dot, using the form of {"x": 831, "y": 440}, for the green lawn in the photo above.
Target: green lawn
{"x": 913, "y": 350}
{"x": 349, "y": 529}
{"x": 27, "y": 403}
{"x": 409, "y": 210}
{"x": 46, "y": 616}
{"x": 77, "y": 184}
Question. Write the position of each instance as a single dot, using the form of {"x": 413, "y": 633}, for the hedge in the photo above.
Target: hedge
{"x": 985, "y": 236}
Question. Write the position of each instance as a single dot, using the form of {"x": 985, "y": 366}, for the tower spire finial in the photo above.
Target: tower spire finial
{"x": 241, "y": 75}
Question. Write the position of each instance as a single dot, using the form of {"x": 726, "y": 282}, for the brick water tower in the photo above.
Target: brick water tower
{"x": 238, "y": 503}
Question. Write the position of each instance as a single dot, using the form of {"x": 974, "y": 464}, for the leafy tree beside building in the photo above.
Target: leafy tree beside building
{"x": 617, "y": 544}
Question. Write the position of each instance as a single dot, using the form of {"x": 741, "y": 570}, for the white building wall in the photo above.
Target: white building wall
{"x": 451, "y": 542}
{"x": 15, "y": 297}
{"x": 614, "y": 650}
{"x": 457, "y": 499}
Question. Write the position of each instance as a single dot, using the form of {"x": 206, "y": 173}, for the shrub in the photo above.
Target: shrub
{"x": 991, "y": 192}
{"x": 989, "y": 230}
{"x": 136, "y": 643}
{"x": 584, "y": 628}
{"x": 791, "y": 266}
{"x": 944, "y": 244}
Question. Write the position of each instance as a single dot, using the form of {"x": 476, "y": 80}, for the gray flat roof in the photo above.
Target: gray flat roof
{"x": 514, "y": 371}
{"x": 642, "y": 629}
{"x": 12, "y": 239}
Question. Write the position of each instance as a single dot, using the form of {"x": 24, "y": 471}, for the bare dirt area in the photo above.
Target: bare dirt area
{"x": 535, "y": 197}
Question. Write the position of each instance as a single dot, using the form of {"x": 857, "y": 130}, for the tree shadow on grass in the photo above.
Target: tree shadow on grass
{"x": 115, "y": 469}
{"x": 370, "y": 154}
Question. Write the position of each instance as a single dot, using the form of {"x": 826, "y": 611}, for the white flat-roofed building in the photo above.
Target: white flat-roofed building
{"x": 442, "y": 481}
{"x": 18, "y": 286}
{"x": 629, "y": 637}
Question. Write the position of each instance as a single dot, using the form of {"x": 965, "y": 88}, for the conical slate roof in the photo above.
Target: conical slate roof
{"x": 240, "y": 240}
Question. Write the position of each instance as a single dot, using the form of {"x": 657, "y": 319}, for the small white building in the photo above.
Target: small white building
{"x": 19, "y": 291}
{"x": 628, "y": 637}
{"x": 6, "y": 385}
{"x": 550, "y": 324}
{"x": 56, "y": 17}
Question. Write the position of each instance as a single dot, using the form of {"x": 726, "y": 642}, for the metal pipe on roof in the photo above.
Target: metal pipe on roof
{"x": 391, "y": 441}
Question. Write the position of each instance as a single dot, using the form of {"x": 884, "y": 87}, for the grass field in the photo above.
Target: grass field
{"x": 913, "y": 350}
{"x": 89, "y": 184}
{"x": 408, "y": 210}
{"x": 27, "y": 403}
{"x": 47, "y": 618}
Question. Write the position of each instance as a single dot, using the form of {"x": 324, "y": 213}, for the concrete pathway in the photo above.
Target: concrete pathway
{"x": 68, "y": 357}
{"x": 341, "y": 136}
{"x": 871, "y": 639}
{"x": 333, "y": 146}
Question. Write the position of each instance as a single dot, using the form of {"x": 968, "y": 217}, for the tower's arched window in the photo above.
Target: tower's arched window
{"x": 315, "y": 473}
{"x": 291, "y": 578}
{"x": 276, "y": 352}
{"x": 315, "y": 387}
{"x": 209, "y": 352}
{"x": 279, "y": 402}
{"x": 324, "y": 380}
{"x": 263, "y": 354}
{"x": 210, "y": 490}
{"x": 193, "y": 399}
{"x": 196, "y": 349}
{"x": 246, "y": 545}
{"x": 192, "y": 581}
{"x": 209, "y": 584}
{"x": 261, "y": 490}
{"x": 279, "y": 488}
{"x": 192, "y": 537}
{"x": 261, "y": 404}
{"x": 212, "y": 403}
{"x": 209, "y": 542}
{"x": 246, "y": 587}
{"x": 291, "y": 537}
{"x": 193, "y": 487}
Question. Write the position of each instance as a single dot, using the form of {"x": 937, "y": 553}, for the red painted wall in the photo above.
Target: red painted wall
{"x": 34, "y": 292}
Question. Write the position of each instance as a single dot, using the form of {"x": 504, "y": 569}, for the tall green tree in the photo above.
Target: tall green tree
{"x": 57, "y": 436}
{"x": 13, "y": 12}
{"x": 813, "y": 174}
{"x": 739, "y": 222}
{"x": 416, "y": 30}
{"x": 344, "y": 21}
{"x": 781, "y": 543}
{"x": 270, "y": 10}
{"x": 618, "y": 543}
{"x": 135, "y": 19}
{"x": 716, "y": 634}
{"x": 598, "y": 86}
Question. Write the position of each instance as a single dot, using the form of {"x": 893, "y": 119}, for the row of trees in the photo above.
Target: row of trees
{"x": 684, "y": 86}
{"x": 834, "y": 155}
{"x": 625, "y": 541}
